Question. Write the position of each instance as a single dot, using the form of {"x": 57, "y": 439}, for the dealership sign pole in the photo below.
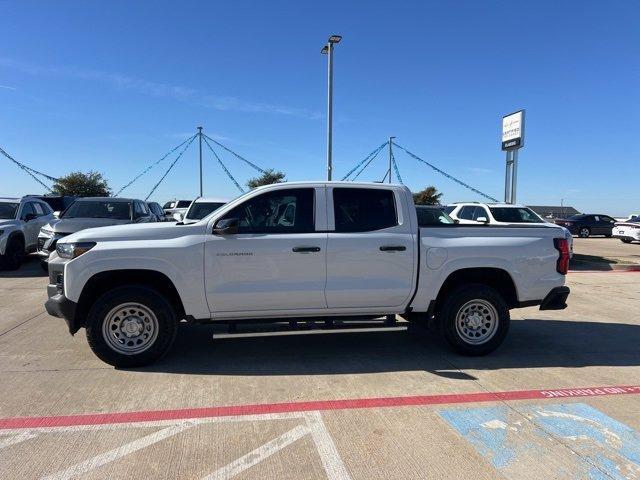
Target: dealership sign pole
{"x": 512, "y": 141}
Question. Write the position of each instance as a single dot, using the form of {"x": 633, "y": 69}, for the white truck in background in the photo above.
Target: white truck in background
{"x": 302, "y": 250}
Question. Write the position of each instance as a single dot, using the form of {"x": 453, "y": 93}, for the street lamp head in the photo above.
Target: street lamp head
{"x": 335, "y": 38}
{"x": 324, "y": 50}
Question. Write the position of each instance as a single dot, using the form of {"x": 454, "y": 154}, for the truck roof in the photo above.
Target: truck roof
{"x": 104, "y": 199}
{"x": 337, "y": 182}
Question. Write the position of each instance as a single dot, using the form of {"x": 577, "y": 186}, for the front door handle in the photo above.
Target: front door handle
{"x": 393, "y": 248}
{"x": 306, "y": 249}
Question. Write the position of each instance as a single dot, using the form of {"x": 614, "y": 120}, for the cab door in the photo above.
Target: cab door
{"x": 371, "y": 250}
{"x": 276, "y": 261}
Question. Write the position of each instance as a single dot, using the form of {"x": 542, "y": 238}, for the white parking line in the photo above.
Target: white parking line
{"x": 259, "y": 454}
{"x": 327, "y": 450}
{"x": 116, "y": 453}
{"x": 313, "y": 426}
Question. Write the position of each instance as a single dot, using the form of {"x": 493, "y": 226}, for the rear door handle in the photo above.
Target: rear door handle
{"x": 306, "y": 249}
{"x": 393, "y": 248}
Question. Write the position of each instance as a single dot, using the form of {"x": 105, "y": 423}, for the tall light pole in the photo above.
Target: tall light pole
{"x": 328, "y": 50}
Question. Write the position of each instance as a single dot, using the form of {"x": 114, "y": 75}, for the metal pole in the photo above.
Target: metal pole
{"x": 330, "y": 111}
{"x": 200, "y": 135}
{"x": 514, "y": 176}
{"x": 507, "y": 178}
{"x": 390, "y": 156}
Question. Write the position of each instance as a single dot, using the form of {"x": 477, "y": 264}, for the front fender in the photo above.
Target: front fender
{"x": 180, "y": 261}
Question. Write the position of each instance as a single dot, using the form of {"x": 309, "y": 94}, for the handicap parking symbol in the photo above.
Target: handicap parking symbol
{"x": 570, "y": 441}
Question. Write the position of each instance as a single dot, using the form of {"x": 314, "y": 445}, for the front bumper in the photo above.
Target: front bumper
{"x": 58, "y": 305}
{"x": 556, "y": 299}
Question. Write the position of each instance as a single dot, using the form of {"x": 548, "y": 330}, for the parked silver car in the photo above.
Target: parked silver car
{"x": 88, "y": 213}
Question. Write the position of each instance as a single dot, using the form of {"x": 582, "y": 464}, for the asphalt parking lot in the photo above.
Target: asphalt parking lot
{"x": 560, "y": 399}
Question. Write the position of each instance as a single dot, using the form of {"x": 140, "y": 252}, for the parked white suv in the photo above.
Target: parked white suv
{"x": 475, "y": 213}
{"x": 20, "y": 222}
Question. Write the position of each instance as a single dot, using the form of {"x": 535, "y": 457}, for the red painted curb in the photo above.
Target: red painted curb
{"x": 630, "y": 270}
{"x": 320, "y": 405}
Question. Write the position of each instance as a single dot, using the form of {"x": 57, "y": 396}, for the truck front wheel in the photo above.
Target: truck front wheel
{"x": 474, "y": 319}
{"x": 131, "y": 326}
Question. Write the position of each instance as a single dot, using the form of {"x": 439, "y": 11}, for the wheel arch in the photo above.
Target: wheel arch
{"x": 496, "y": 278}
{"x": 102, "y": 282}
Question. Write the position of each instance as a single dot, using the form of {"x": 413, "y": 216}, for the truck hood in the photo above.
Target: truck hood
{"x": 72, "y": 225}
{"x": 137, "y": 231}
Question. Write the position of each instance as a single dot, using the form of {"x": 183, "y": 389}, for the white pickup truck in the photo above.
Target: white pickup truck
{"x": 302, "y": 250}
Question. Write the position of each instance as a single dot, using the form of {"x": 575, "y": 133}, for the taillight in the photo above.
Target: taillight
{"x": 562, "y": 245}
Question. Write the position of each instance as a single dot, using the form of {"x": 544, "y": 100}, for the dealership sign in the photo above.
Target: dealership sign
{"x": 513, "y": 130}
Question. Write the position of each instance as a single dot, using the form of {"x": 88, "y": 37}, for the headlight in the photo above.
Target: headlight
{"x": 73, "y": 250}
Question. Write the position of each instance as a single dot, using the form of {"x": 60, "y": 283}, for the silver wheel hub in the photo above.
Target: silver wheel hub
{"x": 477, "y": 321}
{"x": 130, "y": 328}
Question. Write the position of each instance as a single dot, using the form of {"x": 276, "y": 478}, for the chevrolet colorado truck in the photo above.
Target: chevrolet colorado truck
{"x": 298, "y": 251}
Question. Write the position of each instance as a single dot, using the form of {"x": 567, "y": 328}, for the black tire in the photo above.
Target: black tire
{"x": 458, "y": 300}
{"x": 584, "y": 232}
{"x": 44, "y": 265}
{"x": 152, "y": 300}
{"x": 14, "y": 254}
{"x": 608, "y": 235}
{"x": 626, "y": 240}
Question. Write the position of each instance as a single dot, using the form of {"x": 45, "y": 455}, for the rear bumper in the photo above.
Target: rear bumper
{"x": 556, "y": 299}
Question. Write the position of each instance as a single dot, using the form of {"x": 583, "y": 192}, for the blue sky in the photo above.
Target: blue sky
{"x": 112, "y": 86}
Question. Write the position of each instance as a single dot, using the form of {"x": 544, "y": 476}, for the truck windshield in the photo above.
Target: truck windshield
{"x": 99, "y": 209}
{"x": 8, "y": 210}
{"x": 199, "y": 210}
{"x": 515, "y": 215}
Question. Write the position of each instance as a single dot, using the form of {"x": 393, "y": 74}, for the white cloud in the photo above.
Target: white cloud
{"x": 7, "y": 87}
{"x": 156, "y": 89}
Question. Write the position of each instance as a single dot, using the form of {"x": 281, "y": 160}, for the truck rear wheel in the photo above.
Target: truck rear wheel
{"x": 474, "y": 319}
{"x": 131, "y": 326}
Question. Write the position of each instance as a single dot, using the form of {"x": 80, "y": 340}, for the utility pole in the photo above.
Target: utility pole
{"x": 200, "y": 138}
{"x": 390, "y": 156}
{"x": 328, "y": 50}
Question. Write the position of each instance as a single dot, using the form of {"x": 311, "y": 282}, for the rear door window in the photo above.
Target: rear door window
{"x": 480, "y": 212}
{"x": 467, "y": 212}
{"x": 363, "y": 210}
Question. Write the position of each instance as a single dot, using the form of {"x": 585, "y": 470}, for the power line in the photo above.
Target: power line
{"x": 395, "y": 167}
{"x": 224, "y": 167}
{"x": 451, "y": 177}
{"x": 154, "y": 164}
{"x": 31, "y": 171}
{"x": 374, "y": 153}
{"x": 252, "y": 165}
{"x": 370, "y": 160}
{"x": 171, "y": 166}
